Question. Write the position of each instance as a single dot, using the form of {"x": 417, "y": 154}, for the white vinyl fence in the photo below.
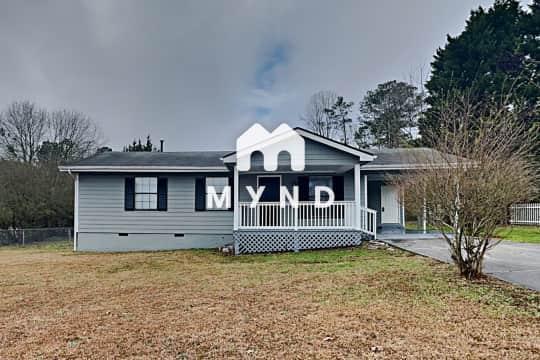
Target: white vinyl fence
{"x": 525, "y": 214}
{"x": 24, "y": 237}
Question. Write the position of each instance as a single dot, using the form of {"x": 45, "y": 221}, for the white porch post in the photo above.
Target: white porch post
{"x": 403, "y": 211}
{"x": 76, "y": 214}
{"x": 235, "y": 200}
{"x": 357, "y": 196}
{"x": 365, "y": 191}
{"x": 424, "y": 217}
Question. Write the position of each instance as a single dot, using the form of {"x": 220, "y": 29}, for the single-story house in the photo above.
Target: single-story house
{"x": 128, "y": 201}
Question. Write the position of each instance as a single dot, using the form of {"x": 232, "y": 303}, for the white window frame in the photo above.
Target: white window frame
{"x": 148, "y": 193}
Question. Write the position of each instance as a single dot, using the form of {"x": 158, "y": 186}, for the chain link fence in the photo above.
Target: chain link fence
{"x": 22, "y": 237}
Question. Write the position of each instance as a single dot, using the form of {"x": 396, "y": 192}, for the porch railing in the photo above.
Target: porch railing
{"x": 339, "y": 215}
{"x": 368, "y": 221}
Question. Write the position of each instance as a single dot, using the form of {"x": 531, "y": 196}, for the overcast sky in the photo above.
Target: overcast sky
{"x": 197, "y": 73}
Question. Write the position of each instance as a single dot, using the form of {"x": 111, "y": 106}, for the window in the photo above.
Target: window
{"x": 146, "y": 193}
{"x": 219, "y": 184}
{"x": 319, "y": 181}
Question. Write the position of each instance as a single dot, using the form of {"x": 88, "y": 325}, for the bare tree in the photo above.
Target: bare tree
{"x": 29, "y": 133}
{"x": 315, "y": 116}
{"x": 23, "y": 127}
{"x": 74, "y": 134}
{"x": 484, "y": 164}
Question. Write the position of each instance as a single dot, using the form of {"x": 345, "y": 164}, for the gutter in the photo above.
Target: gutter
{"x": 144, "y": 169}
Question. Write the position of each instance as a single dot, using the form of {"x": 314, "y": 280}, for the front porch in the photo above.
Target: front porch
{"x": 270, "y": 226}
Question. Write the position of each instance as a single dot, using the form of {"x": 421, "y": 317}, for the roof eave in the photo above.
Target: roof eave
{"x": 370, "y": 167}
{"x": 143, "y": 169}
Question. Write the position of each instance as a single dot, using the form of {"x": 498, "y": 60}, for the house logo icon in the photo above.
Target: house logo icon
{"x": 270, "y": 144}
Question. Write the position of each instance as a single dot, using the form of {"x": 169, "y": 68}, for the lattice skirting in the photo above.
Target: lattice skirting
{"x": 261, "y": 241}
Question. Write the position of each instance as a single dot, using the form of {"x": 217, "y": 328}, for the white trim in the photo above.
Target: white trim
{"x": 405, "y": 166}
{"x": 365, "y": 192}
{"x": 235, "y": 200}
{"x": 155, "y": 169}
{"x": 312, "y": 172}
{"x": 76, "y": 213}
{"x": 364, "y": 156}
{"x": 357, "y": 197}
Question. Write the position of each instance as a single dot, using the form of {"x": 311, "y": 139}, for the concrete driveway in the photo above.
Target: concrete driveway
{"x": 518, "y": 263}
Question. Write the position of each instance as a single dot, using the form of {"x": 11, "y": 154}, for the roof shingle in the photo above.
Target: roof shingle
{"x": 179, "y": 159}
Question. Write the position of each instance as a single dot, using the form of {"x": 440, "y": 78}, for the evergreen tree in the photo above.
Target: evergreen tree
{"x": 339, "y": 115}
{"x": 495, "y": 57}
{"x": 529, "y": 50}
{"x": 388, "y": 115}
{"x": 138, "y": 146}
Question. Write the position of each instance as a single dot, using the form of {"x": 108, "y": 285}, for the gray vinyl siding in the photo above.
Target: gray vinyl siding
{"x": 102, "y": 216}
{"x": 319, "y": 154}
{"x": 316, "y": 154}
{"x": 101, "y": 209}
{"x": 374, "y": 198}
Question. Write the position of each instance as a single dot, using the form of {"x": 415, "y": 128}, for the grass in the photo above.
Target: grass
{"x": 516, "y": 233}
{"x": 200, "y": 304}
{"x": 413, "y": 225}
{"x": 527, "y": 234}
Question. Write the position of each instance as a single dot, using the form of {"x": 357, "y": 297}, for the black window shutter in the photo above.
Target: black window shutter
{"x": 303, "y": 188}
{"x": 162, "y": 185}
{"x": 338, "y": 187}
{"x": 129, "y": 193}
{"x": 200, "y": 194}
{"x": 231, "y": 180}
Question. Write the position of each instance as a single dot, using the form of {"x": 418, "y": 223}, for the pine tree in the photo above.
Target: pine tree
{"x": 339, "y": 116}
{"x": 388, "y": 114}
{"x": 137, "y": 146}
{"x": 489, "y": 60}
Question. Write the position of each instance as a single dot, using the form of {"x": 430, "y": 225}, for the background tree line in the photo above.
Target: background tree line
{"x": 495, "y": 60}
{"x": 33, "y": 142}
{"x": 481, "y": 111}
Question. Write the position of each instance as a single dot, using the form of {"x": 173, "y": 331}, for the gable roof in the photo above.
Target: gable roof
{"x": 364, "y": 155}
{"x": 187, "y": 161}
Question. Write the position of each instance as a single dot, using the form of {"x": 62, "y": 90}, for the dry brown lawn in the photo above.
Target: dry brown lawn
{"x": 351, "y": 303}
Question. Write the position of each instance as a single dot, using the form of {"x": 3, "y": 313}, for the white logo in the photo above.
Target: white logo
{"x": 270, "y": 144}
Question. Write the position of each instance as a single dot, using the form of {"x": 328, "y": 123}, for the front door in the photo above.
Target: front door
{"x": 269, "y": 214}
{"x": 271, "y": 188}
{"x": 389, "y": 204}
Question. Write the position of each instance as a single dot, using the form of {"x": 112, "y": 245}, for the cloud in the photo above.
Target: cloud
{"x": 267, "y": 73}
{"x": 184, "y": 70}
